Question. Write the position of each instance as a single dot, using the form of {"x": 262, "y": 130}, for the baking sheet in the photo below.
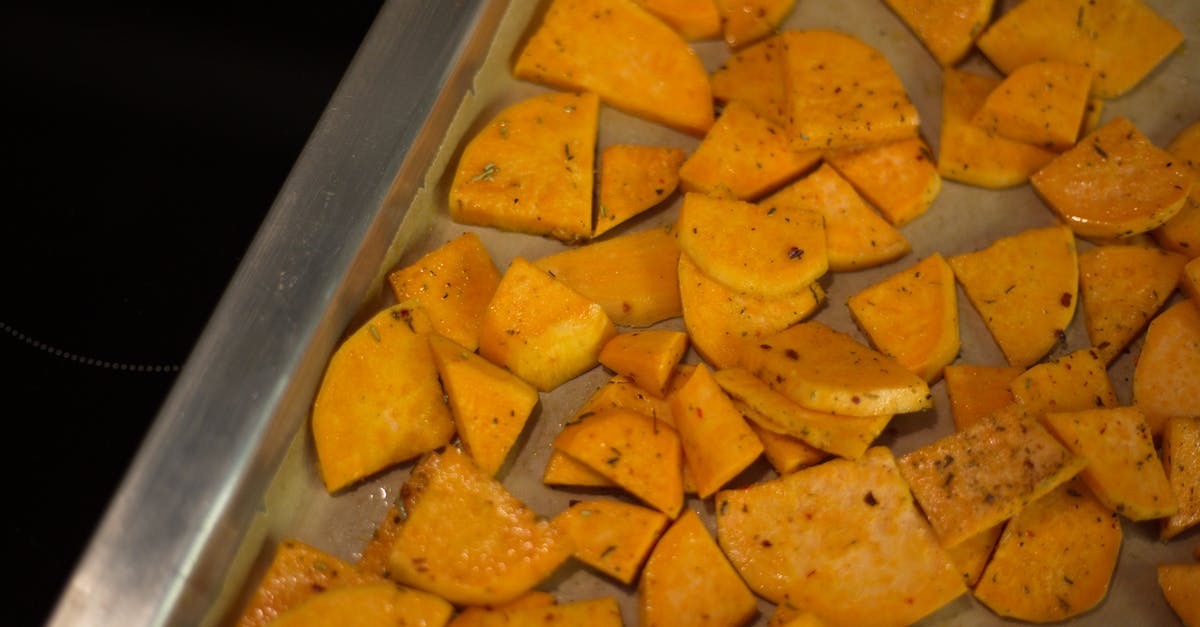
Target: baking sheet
{"x": 962, "y": 219}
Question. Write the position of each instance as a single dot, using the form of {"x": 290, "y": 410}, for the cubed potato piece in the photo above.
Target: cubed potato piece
{"x": 612, "y": 536}
{"x": 912, "y": 316}
{"x": 692, "y": 19}
{"x": 1181, "y": 233}
{"x": 687, "y": 577}
{"x": 824, "y": 369}
{"x": 1181, "y": 461}
{"x": 856, "y": 237}
{"x": 744, "y": 156}
{"x": 947, "y": 28}
{"x": 542, "y": 330}
{"x": 1164, "y": 379}
{"x": 970, "y": 154}
{"x": 494, "y": 615}
{"x": 1055, "y": 558}
{"x": 531, "y": 169}
{"x": 381, "y": 604}
{"x": 636, "y": 452}
{"x": 1122, "y": 288}
{"x": 842, "y": 92}
{"x": 976, "y": 391}
{"x": 1025, "y": 287}
{"x": 754, "y": 75}
{"x": 632, "y": 276}
{"x": 972, "y": 555}
{"x": 453, "y": 284}
{"x": 719, "y": 320}
{"x": 490, "y": 404}
{"x": 785, "y": 453}
{"x": 498, "y": 548}
{"x": 1180, "y": 585}
{"x": 717, "y": 443}
{"x": 1074, "y": 382}
{"x": 1041, "y": 103}
{"x": 843, "y": 540}
{"x": 1120, "y": 40}
{"x": 1114, "y": 183}
{"x": 1123, "y": 469}
{"x": 762, "y": 250}
{"x": 647, "y": 358}
{"x": 297, "y": 572}
{"x": 975, "y": 478}
{"x": 898, "y": 178}
{"x": 634, "y": 179}
{"x": 744, "y": 22}
{"x": 633, "y": 60}
{"x": 379, "y": 403}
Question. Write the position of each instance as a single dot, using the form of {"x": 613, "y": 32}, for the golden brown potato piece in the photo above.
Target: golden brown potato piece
{"x": 1189, "y": 280}
{"x": 647, "y": 358}
{"x": 785, "y": 453}
{"x": 297, "y": 572}
{"x": 1121, "y": 289}
{"x": 947, "y": 28}
{"x": 369, "y": 605}
{"x": 1181, "y": 233}
{"x": 717, "y": 443}
{"x": 1041, "y": 103}
{"x": 973, "y": 554}
{"x": 494, "y": 615}
{"x": 754, "y": 75}
{"x": 612, "y": 536}
{"x": 634, "y": 179}
{"x": 976, "y": 391}
{"x": 1180, "y": 585}
{"x": 1181, "y": 460}
{"x": 898, "y": 178}
{"x": 1164, "y": 379}
{"x": 744, "y": 22}
{"x": 1074, "y": 382}
{"x": 692, "y": 19}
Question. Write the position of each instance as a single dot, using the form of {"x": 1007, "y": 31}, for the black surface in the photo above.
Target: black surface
{"x": 144, "y": 145}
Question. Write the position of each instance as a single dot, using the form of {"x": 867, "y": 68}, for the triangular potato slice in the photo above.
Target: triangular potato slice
{"x": 1164, "y": 379}
{"x": 633, "y": 60}
{"x": 1180, "y": 585}
{"x": 1181, "y": 460}
{"x": 744, "y": 22}
{"x": 692, "y": 19}
{"x": 898, "y": 178}
{"x": 973, "y": 554}
{"x": 912, "y": 316}
{"x": 785, "y": 453}
{"x": 717, "y": 443}
{"x": 633, "y": 179}
{"x": 612, "y": 536}
{"x": 490, "y": 404}
{"x": 298, "y": 571}
{"x": 754, "y": 76}
{"x": 1041, "y": 103}
{"x": 1073, "y": 382}
{"x": 842, "y": 539}
{"x": 378, "y": 604}
{"x": 1114, "y": 183}
{"x": 1181, "y": 233}
{"x": 855, "y": 236}
{"x": 497, "y": 549}
{"x": 531, "y": 169}
{"x": 976, "y": 391}
{"x": 1122, "y": 288}
{"x": 1025, "y": 287}
{"x": 647, "y": 358}
{"x": 947, "y": 28}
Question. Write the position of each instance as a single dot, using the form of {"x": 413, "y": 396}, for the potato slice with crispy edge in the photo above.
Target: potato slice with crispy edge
{"x": 495, "y": 615}
{"x": 976, "y": 391}
{"x": 1055, "y": 558}
{"x": 1181, "y": 233}
{"x": 898, "y": 178}
{"x": 298, "y": 571}
{"x": 717, "y": 443}
{"x": 744, "y": 22}
{"x": 1121, "y": 289}
{"x": 498, "y": 548}
{"x": 1025, "y": 287}
{"x": 1181, "y": 461}
{"x": 1180, "y": 585}
{"x": 692, "y": 19}
{"x": 612, "y": 536}
{"x": 1040, "y": 103}
{"x": 947, "y": 28}
{"x": 634, "y": 179}
{"x": 687, "y": 576}
{"x": 531, "y": 169}
{"x": 380, "y": 604}
{"x": 842, "y": 539}
{"x": 631, "y": 59}
{"x": 1168, "y": 367}
{"x": 912, "y": 316}
{"x": 754, "y": 76}
{"x": 647, "y": 358}
{"x": 1074, "y": 382}
{"x": 377, "y": 553}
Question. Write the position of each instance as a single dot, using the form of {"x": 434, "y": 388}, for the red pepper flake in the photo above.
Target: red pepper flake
{"x": 795, "y": 253}
{"x": 856, "y": 400}
{"x": 1066, "y": 299}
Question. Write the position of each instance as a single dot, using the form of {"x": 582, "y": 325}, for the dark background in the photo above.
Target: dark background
{"x": 143, "y": 147}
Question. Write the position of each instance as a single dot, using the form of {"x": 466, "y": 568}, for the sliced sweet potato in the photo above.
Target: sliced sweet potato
{"x": 379, "y": 403}
{"x": 377, "y": 552}
{"x": 855, "y": 236}
{"x": 972, "y": 555}
{"x": 692, "y": 19}
{"x": 600, "y": 612}
{"x": 1181, "y": 461}
{"x": 744, "y": 22}
{"x": 633, "y": 179}
{"x": 297, "y": 572}
{"x": 1180, "y": 585}
{"x": 687, "y": 576}
{"x": 1025, "y": 288}
{"x": 564, "y": 470}
{"x": 1181, "y": 233}
{"x": 612, "y": 536}
{"x": 898, "y": 178}
{"x": 647, "y": 358}
{"x": 1189, "y": 280}
{"x": 494, "y": 615}
{"x": 1122, "y": 288}
{"x": 1055, "y": 558}
{"x": 947, "y": 28}
{"x": 633, "y": 60}
{"x": 1074, "y": 382}
{"x": 824, "y": 369}
{"x": 785, "y": 453}
{"x": 1164, "y": 379}
{"x": 1040, "y": 103}
{"x": 531, "y": 168}
{"x": 754, "y": 75}
{"x": 717, "y": 443}
{"x": 976, "y": 391}
{"x": 843, "y": 540}
{"x": 381, "y": 604}
{"x": 912, "y": 316}
{"x": 788, "y": 615}
{"x": 498, "y": 548}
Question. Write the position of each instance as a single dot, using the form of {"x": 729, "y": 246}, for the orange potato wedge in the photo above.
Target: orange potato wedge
{"x": 947, "y": 28}
{"x": 976, "y": 391}
{"x": 634, "y": 179}
{"x": 754, "y": 76}
{"x": 1181, "y": 461}
{"x": 1181, "y": 233}
{"x": 612, "y": 536}
{"x": 898, "y": 178}
{"x": 1167, "y": 369}
{"x": 1122, "y": 288}
{"x": 692, "y": 19}
{"x": 1074, "y": 382}
{"x": 381, "y": 604}
{"x": 1189, "y": 280}
{"x": 600, "y": 612}
{"x": 973, "y": 554}
{"x": 647, "y": 358}
{"x": 377, "y": 552}
{"x": 744, "y": 22}
{"x": 495, "y": 615}
{"x": 1180, "y": 585}
{"x": 297, "y": 572}
{"x": 1041, "y": 103}
{"x": 717, "y": 443}
{"x": 785, "y": 453}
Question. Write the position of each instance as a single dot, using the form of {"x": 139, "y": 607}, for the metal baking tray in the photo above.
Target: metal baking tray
{"x": 228, "y": 469}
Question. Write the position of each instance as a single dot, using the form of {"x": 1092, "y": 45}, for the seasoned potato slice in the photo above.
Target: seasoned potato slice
{"x": 1025, "y": 287}
{"x": 976, "y": 391}
{"x": 1180, "y": 585}
{"x": 495, "y": 615}
{"x": 717, "y": 443}
{"x": 1041, "y": 103}
{"x": 785, "y": 453}
{"x": 1055, "y": 558}
{"x": 1122, "y": 288}
{"x": 947, "y": 28}
{"x": 612, "y": 536}
{"x": 601, "y": 612}
{"x": 754, "y": 76}
{"x": 898, "y": 178}
{"x": 1181, "y": 233}
{"x": 1181, "y": 460}
{"x": 297, "y": 572}
{"x": 1189, "y": 280}
{"x": 647, "y": 358}
{"x": 497, "y": 549}
{"x": 744, "y": 22}
{"x": 380, "y": 604}
{"x": 692, "y": 19}
{"x": 633, "y": 179}
{"x": 972, "y": 555}
{"x": 1164, "y": 379}
{"x": 843, "y": 540}
{"x": 633, "y": 60}
{"x": 1074, "y": 382}
{"x": 531, "y": 168}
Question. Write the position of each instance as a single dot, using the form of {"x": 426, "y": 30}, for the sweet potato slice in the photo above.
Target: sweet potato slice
{"x": 495, "y": 615}
{"x": 762, "y": 250}
{"x": 1055, "y": 558}
{"x": 530, "y": 169}
{"x": 841, "y": 91}
{"x": 744, "y": 22}
{"x": 631, "y": 276}
{"x": 490, "y": 404}
{"x": 1025, "y": 288}
{"x": 754, "y": 75}
{"x": 947, "y": 28}
{"x": 1180, "y": 585}
{"x": 969, "y": 153}
{"x": 1041, "y": 103}
{"x": 1181, "y": 233}
{"x": 381, "y": 604}
{"x": 297, "y": 572}
{"x": 631, "y": 59}
{"x": 600, "y": 612}
{"x": 612, "y": 536}
{"x": 1189, "y": 280}
{"x": 634, "y": 179}
{"x": 785, "y": 453}
{"x": 824, "y": 369}
{"x": 975, "y": 478}
{"x": 744, "y": 156}
{"x": 976, "y": 391}
{"x": 1074, "y": 382}
{"x": 972, "y": 555}
{"x": 687, "y": 576}
{"x": 692, "y": 19}
{"x": 379, "y": 404}
{"x": 1181, "y": 461}
{"x": 1123, "y": 469}
{"x": 898, "y": 178}
{"x": 788, "y": 615}
{"x": 1122, "y": 288}
{"x": 912, "y": 316}
{"x": 855, "y": 236}
{"x": 497, "y": 549}
{"x": 1120, "y": 40}
{"x": 1164, "y": 379}
{"x": 843, "y": 540}
{"x": 717, "y": 443}
{"x": 647, "y": 358}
